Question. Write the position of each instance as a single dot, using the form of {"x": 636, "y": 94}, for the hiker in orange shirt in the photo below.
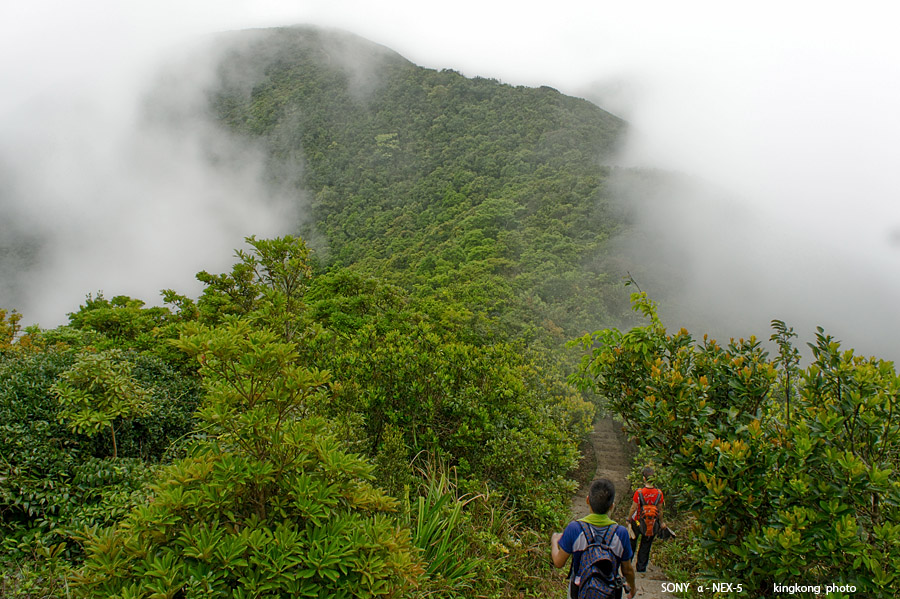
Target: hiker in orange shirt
{"x": 645, "y": 518}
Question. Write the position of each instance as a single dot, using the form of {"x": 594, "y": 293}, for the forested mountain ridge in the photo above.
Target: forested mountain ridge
{"x": 389, "y": 414}
{"x": 398, "y": 387}
{"x": 485, "y": 194}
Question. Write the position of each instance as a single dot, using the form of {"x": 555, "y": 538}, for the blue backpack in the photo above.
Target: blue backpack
{"x": 597, "y": 576}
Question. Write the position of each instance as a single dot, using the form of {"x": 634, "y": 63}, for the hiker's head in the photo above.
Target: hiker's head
{"x": 647, "y": 473}
{"x": 601, "y": 496}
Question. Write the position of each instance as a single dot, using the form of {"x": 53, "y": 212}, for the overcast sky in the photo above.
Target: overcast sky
{"x": 790, "y": 108}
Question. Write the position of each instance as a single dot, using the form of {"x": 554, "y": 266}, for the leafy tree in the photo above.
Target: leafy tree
{"x": 126, "y": 323}
{"x": 12, "y": 339}
{"x": 122, "y": 319}
{"x": 787, "y": 362}
{"x": 97, "y": 392}
{"x": 9, "y": 327}
{"x": 268, "y": 281}
{"x": 266, "y": 503}
{"x": 52, "y": 483}
{"x": 497, "y": 411}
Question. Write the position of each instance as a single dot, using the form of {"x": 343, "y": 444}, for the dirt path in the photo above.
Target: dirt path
{"x": 612, "y": 463}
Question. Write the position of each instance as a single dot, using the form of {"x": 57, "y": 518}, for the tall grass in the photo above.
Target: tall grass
{"x": 473, "y": 545}
{"x": 439, "y": 529}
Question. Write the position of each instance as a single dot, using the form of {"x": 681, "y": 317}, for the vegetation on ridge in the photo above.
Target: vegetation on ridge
{"x": 350, "y": 420}
{"x": 469, "y": 191}
{"x": 319, "y": 390}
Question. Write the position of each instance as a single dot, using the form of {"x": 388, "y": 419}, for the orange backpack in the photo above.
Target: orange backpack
{"x": 648, "y": 515}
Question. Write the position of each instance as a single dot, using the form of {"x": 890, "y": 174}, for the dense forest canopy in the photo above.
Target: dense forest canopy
{"x": 479, "y": 193}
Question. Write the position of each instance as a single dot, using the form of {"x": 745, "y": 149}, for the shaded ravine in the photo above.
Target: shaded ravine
{"x": 612, "y": 462}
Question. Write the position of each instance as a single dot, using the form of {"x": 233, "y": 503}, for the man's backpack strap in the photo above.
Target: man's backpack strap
{"x": 643, "y": 501}
{"x": 590, "y": 535}
{"x": 588, "y": 531}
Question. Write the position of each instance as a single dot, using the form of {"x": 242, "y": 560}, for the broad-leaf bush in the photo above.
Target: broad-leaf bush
{"x": 97, "y": 392}
{"x": 791, "y": 472}
{"x": 51, "y": 483}
{"x": 265, "y": 504}
{"x": 497, "y": 412}
{"x": 55, "y": 481}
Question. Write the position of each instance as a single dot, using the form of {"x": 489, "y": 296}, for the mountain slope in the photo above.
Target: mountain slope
{"x": 475, "y": 192}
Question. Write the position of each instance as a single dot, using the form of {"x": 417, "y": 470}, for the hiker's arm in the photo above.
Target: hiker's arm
{"x": 628, "y": 571}
{"x": 557, "y": 555}
{"x": 633, "y": 510}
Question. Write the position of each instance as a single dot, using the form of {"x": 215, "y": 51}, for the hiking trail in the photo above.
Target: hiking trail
{"x": 612, "y": 462}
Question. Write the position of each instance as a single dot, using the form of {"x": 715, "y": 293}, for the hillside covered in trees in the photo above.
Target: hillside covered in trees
{"x": 379, "y": 403}
{"x": 480, "y": 194}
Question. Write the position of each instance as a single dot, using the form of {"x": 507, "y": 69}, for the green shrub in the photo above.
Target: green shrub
{"x": 439, "y": 528}
{"x": 97, "y": 392}
{"x": 495, "y": 411}
{"x": 43, "y": 573}
{"x": 790, "y": 472}
{"x": 266, "y": 504}
{"x": 474, "y": 544}
{"x": 55, "y": 481}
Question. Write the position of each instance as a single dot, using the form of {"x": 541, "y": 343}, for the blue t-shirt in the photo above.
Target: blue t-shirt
{"x": 574, "y": 542}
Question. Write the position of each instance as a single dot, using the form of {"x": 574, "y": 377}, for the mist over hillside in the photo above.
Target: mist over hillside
{"x": 437, "y": 180}
{"x": 126, "y": 188}
{"x": 429, "y": 178}
{"x": 346, "y": 140}
{"x": 720, "y": 266}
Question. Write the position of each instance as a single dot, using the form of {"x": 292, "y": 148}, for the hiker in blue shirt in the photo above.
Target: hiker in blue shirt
{"x": 601, "y": 544}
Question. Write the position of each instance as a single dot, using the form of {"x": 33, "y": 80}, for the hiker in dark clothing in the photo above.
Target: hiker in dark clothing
{"x": 599, "y": 548}
{"x": 645, "y": 518}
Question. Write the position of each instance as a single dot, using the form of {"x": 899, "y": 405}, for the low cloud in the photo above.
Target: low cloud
{"x": 719, "y": 265}
{"x": 127, "y": 186}
{"x": 787, "y": 111}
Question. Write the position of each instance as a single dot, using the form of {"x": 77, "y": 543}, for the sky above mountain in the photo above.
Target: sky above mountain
{"x": 788, "y": 108}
